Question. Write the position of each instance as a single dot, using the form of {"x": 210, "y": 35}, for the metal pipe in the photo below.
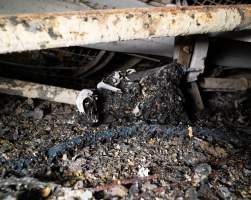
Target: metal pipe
{"x": 38, "y": 91}
{"x": 23, "y": 32}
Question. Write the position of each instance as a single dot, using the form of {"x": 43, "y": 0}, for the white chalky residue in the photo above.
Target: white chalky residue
{"x": 85, "y": 93}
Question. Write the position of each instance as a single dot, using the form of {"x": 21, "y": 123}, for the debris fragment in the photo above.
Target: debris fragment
{"x": 84, "y": 94}
{"x": 191, "y": 193}
{"x": 143, "y": 172}
{"x": 45, "y": 192}
{"x": 130, "y": 71}
{"x": 102, "y": 85}
{"x": 75, "y": 194}
{"x": 87, "y": 105}
{"x": 116, "y": 78}
{"x": 38, "y": 114}
{"x": 117, "y": 191}
{"x": 136, "y": 111}
{"x": 152, "y": 141}
{"x": 201, "y": 173}
{"x": 148, "y": 186}
{"x": 224, "y": 192}
{"x": 190, "y": 132}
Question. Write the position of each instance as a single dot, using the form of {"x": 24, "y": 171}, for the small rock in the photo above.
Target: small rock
{"x": 224, "y": 192}
{"x": 247, "y": 172}
{"x": 64, "y": 158}
{"x": 75, "y": 194}
{"x": 87, "y": 195}
{"x": 30, "y": 102}
{"x": 174, "y": 157}
{"x": 134, "y": 189}
{"x": 117, "y": 191}
{"x": 202, "y": 172}
{"x": 152, "y": 141}
{"x": 215, "y": 151}
{"x": 248, "y": 164}
{"x": 4, "y": 196}
{"x": 163, "y": 183}
{"x": 206, "y": 192}
{"x": 47, "y": 128}
{"x": 38, "y": 114}
{"x": 246, "y": 193}
{"x": 78, "y": 185}
{"x": 191, "y": 194}
{"x": 6, "y": 146}
{"x": 190, "y": 132}
{"x": 148, "y": 187}
{"x": 45, "y": 192}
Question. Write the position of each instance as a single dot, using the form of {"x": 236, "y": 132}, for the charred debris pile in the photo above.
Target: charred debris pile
{"x": 138, "y": 135}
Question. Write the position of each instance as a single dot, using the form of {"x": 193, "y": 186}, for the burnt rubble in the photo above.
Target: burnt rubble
{"x": 144, "y": 145}
{"x": 153, "y": 96}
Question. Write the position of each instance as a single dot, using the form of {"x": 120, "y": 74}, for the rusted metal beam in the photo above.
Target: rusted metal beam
{"x": 38, "y": 91}
{"x": 23, "y": 32}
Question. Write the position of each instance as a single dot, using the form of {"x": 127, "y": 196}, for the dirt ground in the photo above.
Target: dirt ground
{"x": 47, "y": 152}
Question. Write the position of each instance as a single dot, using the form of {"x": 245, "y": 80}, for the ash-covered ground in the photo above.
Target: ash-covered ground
{"x": 48, "y": 152}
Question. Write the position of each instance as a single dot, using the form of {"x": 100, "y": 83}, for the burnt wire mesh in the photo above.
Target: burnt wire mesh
{"x": 218, "y": 2}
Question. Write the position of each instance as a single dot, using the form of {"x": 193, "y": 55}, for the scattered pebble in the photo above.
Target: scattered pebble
{"x": 117, "y": 191}
{"x": 38, "y": 114}
{"x": 45, "y": 192}
{"x": 201, "y": 173}
{"x": 148, "y": 187}
{"x": 224, "y": 192}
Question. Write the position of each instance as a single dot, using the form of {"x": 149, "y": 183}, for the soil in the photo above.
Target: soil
{"x": 48, "y": 152}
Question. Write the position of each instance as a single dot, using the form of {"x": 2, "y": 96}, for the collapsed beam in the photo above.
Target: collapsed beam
{"x": 38, "y": 91}
{"x": 23, "y": 32}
